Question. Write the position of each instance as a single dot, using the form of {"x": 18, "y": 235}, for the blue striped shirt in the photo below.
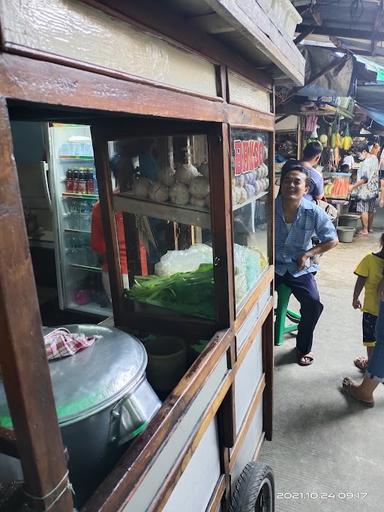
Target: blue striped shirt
{"x": 291, "y": 243}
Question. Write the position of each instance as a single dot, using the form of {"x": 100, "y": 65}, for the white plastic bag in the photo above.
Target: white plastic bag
{"x": 188, "y": 260}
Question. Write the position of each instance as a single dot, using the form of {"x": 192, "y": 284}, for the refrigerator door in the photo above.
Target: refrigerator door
{"x": 73, "y": 188}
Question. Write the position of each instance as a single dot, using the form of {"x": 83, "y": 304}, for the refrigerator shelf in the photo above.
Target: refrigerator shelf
{"x": 76, "y": 159}
{"x": 83, "y": 231}
{"x": 84, "y": 267}
{"x": 92, "y": 197}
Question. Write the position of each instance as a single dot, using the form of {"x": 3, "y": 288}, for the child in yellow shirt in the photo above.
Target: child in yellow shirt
{"x": 369, "y": 273}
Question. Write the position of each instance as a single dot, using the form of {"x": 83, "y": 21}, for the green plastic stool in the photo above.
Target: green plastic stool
{"x": 282, "y": 312}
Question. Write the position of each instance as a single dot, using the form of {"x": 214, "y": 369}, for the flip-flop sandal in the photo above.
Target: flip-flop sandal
{"x": 305, "y": 359}
{"x": 347, "y": 387}
{"x": 361, "y": 363}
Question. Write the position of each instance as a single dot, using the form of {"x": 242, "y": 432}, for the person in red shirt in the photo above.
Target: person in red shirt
{"x": 97, "y": 235}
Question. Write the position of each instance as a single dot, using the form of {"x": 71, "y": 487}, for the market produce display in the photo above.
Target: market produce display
{"x": 184, "y": 279}
{"x": 338, "y": 188}
{"x": 189, "y": 293}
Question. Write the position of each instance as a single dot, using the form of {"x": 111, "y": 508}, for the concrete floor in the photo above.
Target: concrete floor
{"x": 323, "y": 443}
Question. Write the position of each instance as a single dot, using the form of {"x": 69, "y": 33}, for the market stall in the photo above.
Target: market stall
{"x": 194, "y": 131}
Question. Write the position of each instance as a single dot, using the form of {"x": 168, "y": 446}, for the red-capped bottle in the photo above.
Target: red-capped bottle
{"x": 69, "y": 182}
{"x": 75, "y": 181}
{"x": 90, "y": 182}
{"x": 82, "y": 183}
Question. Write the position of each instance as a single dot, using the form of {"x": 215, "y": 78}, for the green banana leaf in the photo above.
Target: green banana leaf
{"x": 189, "y": 293}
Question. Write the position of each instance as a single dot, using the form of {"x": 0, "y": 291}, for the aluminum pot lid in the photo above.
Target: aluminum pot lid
{"x": 91, "y": 380}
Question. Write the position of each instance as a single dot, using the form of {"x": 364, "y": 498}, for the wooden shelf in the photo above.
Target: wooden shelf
{"x": 166, "y": 211}
{"x": 327, "y": 110}
{"x": 250, "y": 200}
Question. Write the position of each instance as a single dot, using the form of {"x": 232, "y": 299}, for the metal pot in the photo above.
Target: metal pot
{"x": 103, "y": 400}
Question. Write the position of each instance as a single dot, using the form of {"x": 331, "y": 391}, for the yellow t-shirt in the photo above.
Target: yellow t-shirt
{"x": 371, "y": 267}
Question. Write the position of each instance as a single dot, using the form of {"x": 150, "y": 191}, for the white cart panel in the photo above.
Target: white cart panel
{"x": 196, "y": 485}
{"x": 167, "y": 457}
{"x": 252, "y": 318}
{"x": 249, "y": 445}
{"x": 247, "y": 379}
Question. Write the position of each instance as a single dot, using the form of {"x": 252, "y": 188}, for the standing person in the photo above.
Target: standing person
{"x": 97, "y": 233}
{"x": 381, "y": 164}
{"x": 297, "y": 221}
{"x": 348, "y": 160}
{"x": 311, "y": 157}
{"x": 381, "y": 178}
{"x": 367, "y": 185}
{"x": 369, "y": 274}
{"x": 375, "y": 150}
{"x": 363, "y": 392}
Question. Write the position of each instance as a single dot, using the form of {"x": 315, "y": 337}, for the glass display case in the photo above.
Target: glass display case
{"x": 250, "y": 204}
{"x": 161, "y": 186}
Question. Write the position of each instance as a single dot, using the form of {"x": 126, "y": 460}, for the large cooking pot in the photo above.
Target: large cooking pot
{"x": 103, "y": 400}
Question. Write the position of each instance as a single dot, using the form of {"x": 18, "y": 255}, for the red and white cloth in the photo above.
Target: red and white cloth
{"x": 62, "y": 343}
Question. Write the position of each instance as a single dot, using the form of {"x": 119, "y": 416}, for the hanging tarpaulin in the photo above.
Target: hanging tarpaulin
{"x": 371, "y": 96}
{"x": 327, "y": 73}
{"x": 376, "y": 115}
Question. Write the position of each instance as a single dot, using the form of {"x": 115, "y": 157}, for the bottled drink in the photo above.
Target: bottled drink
{"x": 90, "y": 182}
{"x": 75, "y": 180}
{"x": 82, "y": 184}
{"x": 69, "y": 182}
{"x": 95, "y": 185}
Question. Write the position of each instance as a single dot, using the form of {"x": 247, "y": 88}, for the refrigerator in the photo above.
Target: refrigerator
{"x": 73, "y": 189}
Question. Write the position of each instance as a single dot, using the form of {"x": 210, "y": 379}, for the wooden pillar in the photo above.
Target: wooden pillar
{"x": 268, "y": 339}
{"x": 220, "y": 182}
{"x": 24, "y": 365}
{"x": 100, "y": 150}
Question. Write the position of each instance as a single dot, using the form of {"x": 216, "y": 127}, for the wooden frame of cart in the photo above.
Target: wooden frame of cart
{"x": 216, "y": 418}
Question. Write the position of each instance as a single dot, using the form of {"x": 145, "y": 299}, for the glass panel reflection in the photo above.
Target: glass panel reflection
{"x": 250, "y": 186}
{"x": 161, "y": 184}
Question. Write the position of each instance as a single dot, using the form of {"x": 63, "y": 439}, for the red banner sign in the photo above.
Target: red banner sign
{"x": 249, "y": 155}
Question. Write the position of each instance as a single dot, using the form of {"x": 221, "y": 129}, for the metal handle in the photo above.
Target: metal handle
{"x": 45, "y": 171}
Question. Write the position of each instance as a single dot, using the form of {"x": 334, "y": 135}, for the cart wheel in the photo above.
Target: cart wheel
{"x": 255, "y": 490}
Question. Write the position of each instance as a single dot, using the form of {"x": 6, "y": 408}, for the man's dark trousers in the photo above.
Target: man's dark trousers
{"x": 305, "y": 290}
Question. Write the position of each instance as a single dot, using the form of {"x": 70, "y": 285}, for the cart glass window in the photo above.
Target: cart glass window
{"x": 250, "y": 200}
{"x": 161, "y": 186}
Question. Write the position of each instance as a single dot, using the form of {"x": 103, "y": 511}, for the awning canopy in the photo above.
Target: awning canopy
{"x": 370, "y": 99}
{"x": 376, "y": 115}
{"x": 327, "y": 73}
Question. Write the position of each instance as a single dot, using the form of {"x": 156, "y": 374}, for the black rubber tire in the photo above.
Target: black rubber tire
{"x": 255, "y": 490}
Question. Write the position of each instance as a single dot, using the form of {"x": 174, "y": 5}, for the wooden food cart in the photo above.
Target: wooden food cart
{"x": 194, "y": 82}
